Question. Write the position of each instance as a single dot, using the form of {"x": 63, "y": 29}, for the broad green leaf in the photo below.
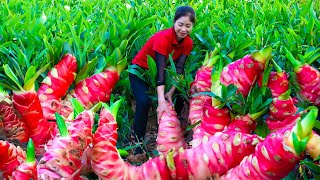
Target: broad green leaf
{"x": 153, "y": 70}
{"x": 138, "y": 74}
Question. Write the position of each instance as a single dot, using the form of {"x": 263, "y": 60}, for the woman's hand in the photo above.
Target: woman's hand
{"x": 168, "y": 95}
{"x": 162, "y": 108}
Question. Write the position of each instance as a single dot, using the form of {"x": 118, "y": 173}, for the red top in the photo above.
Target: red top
{"x": 164, "y": 42}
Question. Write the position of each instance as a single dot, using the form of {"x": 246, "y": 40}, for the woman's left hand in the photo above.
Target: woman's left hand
{"x": 168, "y": 96}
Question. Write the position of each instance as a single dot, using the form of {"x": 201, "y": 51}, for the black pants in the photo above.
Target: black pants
{"x": 143, "y": 103}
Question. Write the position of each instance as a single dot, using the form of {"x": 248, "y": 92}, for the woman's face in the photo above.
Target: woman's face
{"x": 183, "y": 27}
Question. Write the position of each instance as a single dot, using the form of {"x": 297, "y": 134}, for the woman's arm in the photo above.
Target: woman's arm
{"x": 161, "y": 64}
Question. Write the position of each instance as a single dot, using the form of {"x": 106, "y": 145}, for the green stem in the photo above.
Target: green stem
{"x": 216, "y": 50}
{"x": 296, "y": 64}
{"x": 216, "y": 84}
{"x": 61, "y": 126}
{"x": 30, "y": 152}
{"x": 285, "y": 96}
{"x": 205, "y": 61}
{"x": 278, "y": 68}
{"x": 211, "y": 61}
{"x": 263, "y": 55}
{"x": 306, "y": 124}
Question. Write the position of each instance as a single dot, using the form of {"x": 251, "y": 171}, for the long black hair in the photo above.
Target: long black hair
{"x": 185, "y": 11}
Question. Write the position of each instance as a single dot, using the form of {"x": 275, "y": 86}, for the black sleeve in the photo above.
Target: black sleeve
{"x": 161, "y": 64}
{"x": 180, "y": 64}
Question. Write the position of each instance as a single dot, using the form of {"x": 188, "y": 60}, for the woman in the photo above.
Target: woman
{"x": 159, "y": 46}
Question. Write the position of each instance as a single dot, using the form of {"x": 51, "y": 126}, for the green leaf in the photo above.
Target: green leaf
{"x": 257, "y": 101}
{"x": 238, "y": 108}
{"x": 306, "y": 9}
{"x": 262, "y": 129}
{"x": 86, "y": 70}
{"x": 172, "y": 64}
{"x": 123, "y": 152}
{"x": 231, "y": 89}
{"x": 31, "y": 82}
{"x": 77, "y": 107}
{"x": 314, "y": 168}
{"x": 9, "y": 87}
{"x": 224, "y": 92}
{"x": 205, "y": 94}
{"x": 296, "y": 143}
{"x": 221, "y": 25}
{"x": 30, "y": 152}
{"x": 77, "y": 42}
{"x": 190, "y": 127}
{"x": 29, "y": 74}
{"x": 202, "y": 40}
{"x": 303, "y": 143}
{"x": 11, "y": 75}
{"x": 265, "y": 79}
{"x": 139, "y": 74}
{"x": 230, "y": 37}
{"x": 244, "y": 45}
{"x": 264, "y": 104}
{"x": 153, "y": 70}
{"x": 146, "y": 21}
{"x": 317, "y": 125}
{"x": 61, "y": 125}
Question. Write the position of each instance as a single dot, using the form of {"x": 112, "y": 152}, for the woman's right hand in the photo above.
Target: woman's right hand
{"x": 162, "y": 108}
